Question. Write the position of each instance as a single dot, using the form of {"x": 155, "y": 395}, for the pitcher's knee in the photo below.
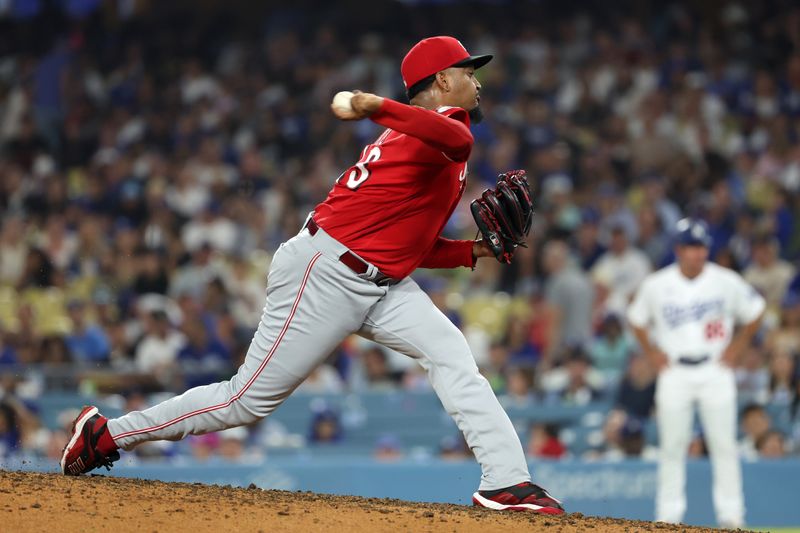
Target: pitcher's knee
{"x": 256, "y": 407}
{"x": 469, "y": 380}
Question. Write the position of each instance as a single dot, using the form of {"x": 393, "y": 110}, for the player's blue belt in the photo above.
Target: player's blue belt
{"x": 355, "y": 263}
{"x": 693, "y": 360}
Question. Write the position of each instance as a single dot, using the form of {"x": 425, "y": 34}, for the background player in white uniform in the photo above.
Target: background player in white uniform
{"x": 684, "y": 317}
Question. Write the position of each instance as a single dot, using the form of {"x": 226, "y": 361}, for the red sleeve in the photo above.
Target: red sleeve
{"x": 447, "y": 132}
{"x": 447, "y": 253}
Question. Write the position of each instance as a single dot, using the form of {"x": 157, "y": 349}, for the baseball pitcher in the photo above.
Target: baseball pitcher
{"x": 347, "y": 272}
{"x": 684, "y": 317}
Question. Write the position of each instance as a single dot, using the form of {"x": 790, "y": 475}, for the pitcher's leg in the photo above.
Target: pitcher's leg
{"x": 407, "y": 321}
{"x": 310, "y": 308}
{"x": 674, "y": 415}
{"x": 203, "y": 409}
{"x": 718, "y": 415}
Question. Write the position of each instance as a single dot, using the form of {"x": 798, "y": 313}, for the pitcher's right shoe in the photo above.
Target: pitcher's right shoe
{"x": 522, "y": 497}
{"x": 81, "y": 453}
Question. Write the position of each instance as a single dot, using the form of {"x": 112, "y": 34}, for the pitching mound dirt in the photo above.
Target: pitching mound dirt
{"x": 54, "y": 503}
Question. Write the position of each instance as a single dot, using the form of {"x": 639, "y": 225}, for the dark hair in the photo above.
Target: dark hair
{"x": 751, "y": 408}
{"x": 420, "y": 86}
{"x": 552, "y": 430}
{"x": 766, "y": 435}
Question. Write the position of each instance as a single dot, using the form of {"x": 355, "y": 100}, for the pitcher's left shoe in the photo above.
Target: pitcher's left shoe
{"x": 522, "y": 497}
{"x": 81, "y": 454}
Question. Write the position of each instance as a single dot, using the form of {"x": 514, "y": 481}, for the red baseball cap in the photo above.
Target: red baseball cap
{"x": 433, "y": 54}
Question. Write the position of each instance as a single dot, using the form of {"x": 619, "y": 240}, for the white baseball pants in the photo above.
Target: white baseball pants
{"x": 713, "y": 387}
{"x": 313, "y": 302}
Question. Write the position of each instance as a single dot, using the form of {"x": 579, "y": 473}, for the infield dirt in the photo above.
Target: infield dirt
{"x": 54, "y": 503}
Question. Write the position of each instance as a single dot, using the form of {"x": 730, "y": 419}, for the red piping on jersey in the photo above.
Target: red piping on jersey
{"x": 252, "y": 379}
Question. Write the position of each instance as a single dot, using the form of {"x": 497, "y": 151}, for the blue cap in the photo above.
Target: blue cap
{"x": 692, "y": 231}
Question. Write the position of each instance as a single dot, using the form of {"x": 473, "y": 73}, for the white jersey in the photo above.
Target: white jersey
{"x": 694, "y": 318}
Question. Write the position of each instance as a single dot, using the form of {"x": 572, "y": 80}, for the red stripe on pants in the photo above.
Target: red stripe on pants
{"x": 251, "y": 380}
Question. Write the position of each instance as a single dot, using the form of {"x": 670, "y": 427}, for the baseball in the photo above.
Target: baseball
{"x": 341, "y": 101}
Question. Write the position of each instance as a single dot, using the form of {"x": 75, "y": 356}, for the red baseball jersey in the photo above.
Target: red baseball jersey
{"x": 390, "y": 207}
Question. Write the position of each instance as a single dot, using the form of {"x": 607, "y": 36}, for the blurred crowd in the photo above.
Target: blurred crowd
{"x": 149, "y": 169}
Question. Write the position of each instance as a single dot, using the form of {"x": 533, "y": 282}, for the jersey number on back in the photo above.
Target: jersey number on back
{"x": 715, "y": 330}
{"x": 361, "y": 173}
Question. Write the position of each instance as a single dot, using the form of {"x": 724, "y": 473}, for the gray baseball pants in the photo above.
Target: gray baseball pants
{"x": 314, "y": 302}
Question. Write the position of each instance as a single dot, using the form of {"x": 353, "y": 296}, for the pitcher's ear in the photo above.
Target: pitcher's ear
{"x": 443, "y": 81}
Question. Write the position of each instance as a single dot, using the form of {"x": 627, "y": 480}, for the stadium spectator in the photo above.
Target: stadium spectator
{"x": 662, "y": 214}
{"x": 202, "y": 358}
{"x": 570, "y": 295}
{"x": 520, "y": 390}
{"x": 211, "y": 228}
{"x": 782, "y": 378}
{"x": 752, "y": 377}
{"x": 8, "y": 356}
{"x": 539, "y": 322}
{"x": 636, "y": 393}
{"x": 495, "y": 371}
{"x": 87, "y": 342}
{"x": 326, "y": 427}
{"x": 233, "y": 445}
{"x": 574, "y": 383}
{"x": 771, "y": 445}
{"x": 544, "y": 442}
{"x": 377, "y": 373}
{"x": 769, "y": 274}
{"x": 586, "y": 239}
{"x": 21, "y": 432}
{"x": 151, "y": 274}
{"x": 632, "y": 442}
{"x": 564, "y": 215}
{"x": 785, "y": 338}
{"x": 13, "y": 249}
{"x": 158, "y": 350}
{"x": 9, "y": 432}
{"x": 120, "y": 348}
{"x": 611, "y": 348}
{"x": 454, "y": 448}
{"x": 755, "y": 422}
{"x": 653, "y": 240}
{"x": 619, "y": 271}
{"x": 203, "y": 447}
{"x": 517, "y": 341}
{"x": 387, "y": 449}
{"x": 245, "y": 292}
{"x": 53, "y": 350}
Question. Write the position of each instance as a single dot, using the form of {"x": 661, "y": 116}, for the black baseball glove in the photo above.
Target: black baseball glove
{"x": 504, "y": 214}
